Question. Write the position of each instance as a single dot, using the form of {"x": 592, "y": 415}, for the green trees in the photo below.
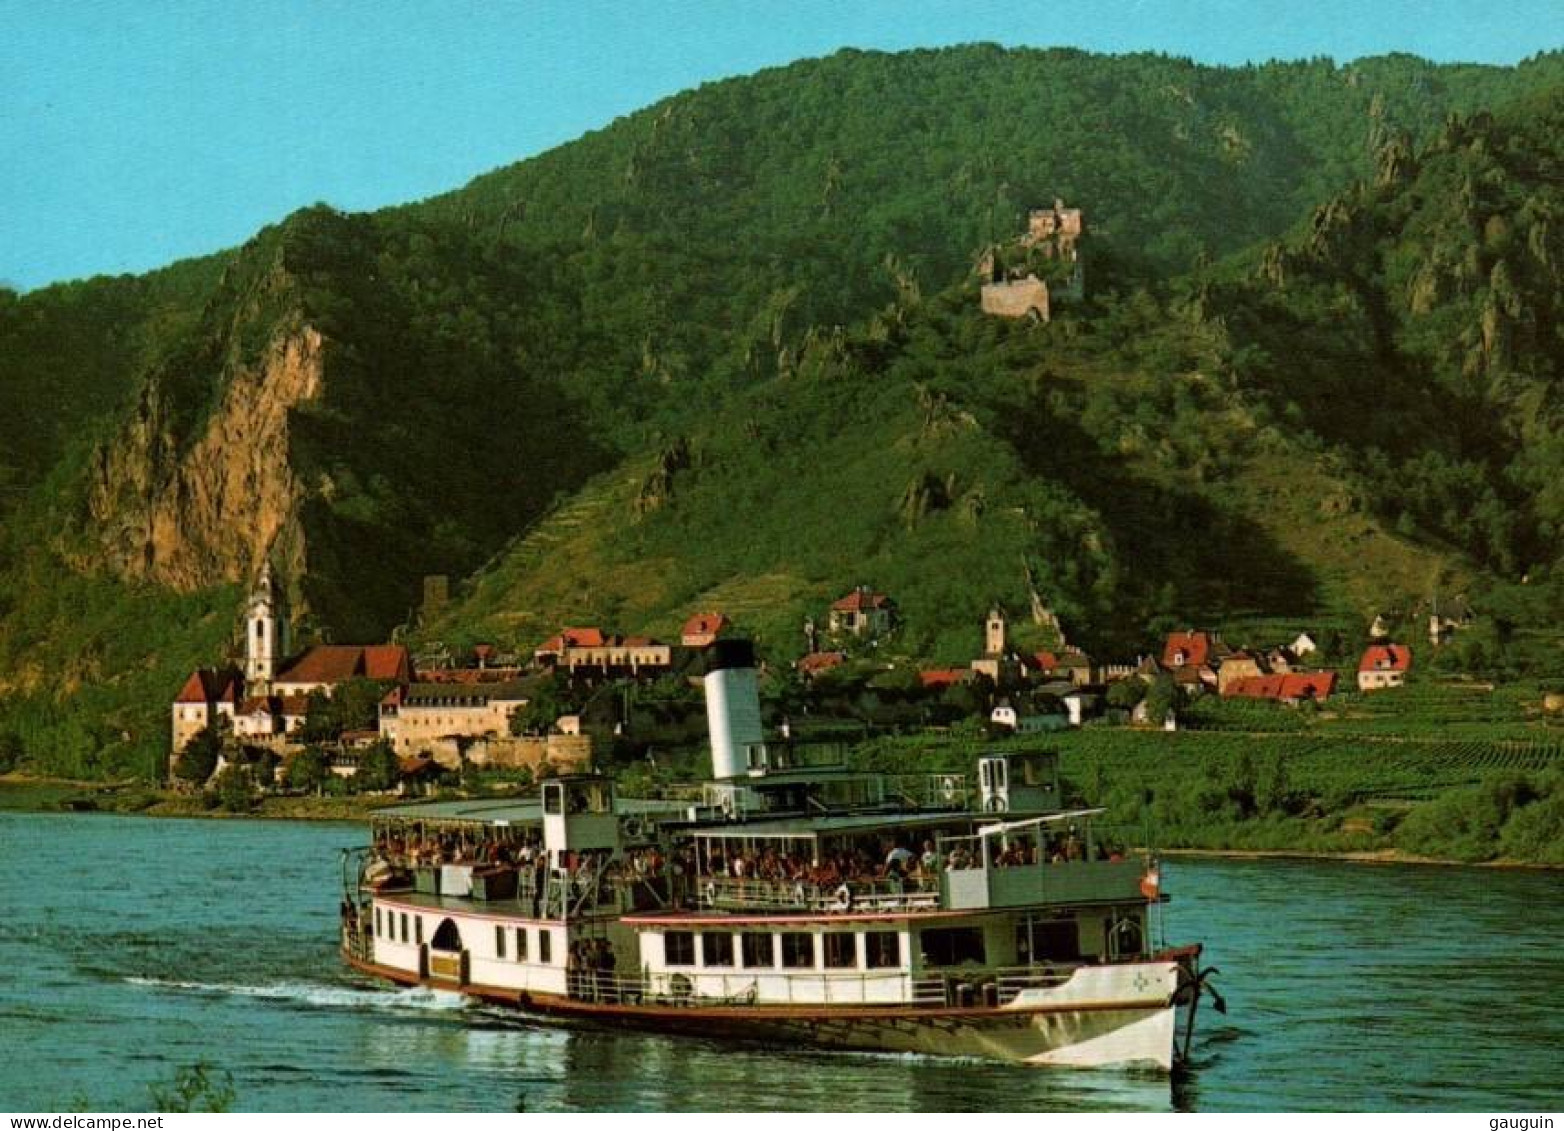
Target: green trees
{"x": 377, "y": 768}
{"x": 1162, "y": 698}
{"x": 306, "y": 770}
{"x": 199, "y": 757}
{"x": 235, "y": 788}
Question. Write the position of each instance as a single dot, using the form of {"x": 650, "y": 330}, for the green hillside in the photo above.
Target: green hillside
{"x": 724, "y": 351}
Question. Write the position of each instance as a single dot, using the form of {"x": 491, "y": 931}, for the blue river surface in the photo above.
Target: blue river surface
{"x": 131, "y": 947}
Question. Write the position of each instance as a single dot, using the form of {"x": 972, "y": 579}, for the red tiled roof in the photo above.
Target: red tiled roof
{"x": 1197, "y": 648}
{"x": 944, "y": 677}
{"x": 1386, "y": 658}
{"x": 860, "y": 599}
{"x": 638, "y": 642}
{"x": 468, "y": 675}
{"x": 1051, "y": 661}
{"x": 820, "y": 661}
{"x": 208, "y": 686}
{"x": 338, "y": 663}
{"x": 194, "y": 690}
{"x": 295, "y": 706}
{"x": 392, "y": 698}
{"x": 573, "y": 638}
{"x": 387, "y": 661}
{"x": 1308, "y": 685}
{"x": 1297, "y": 685}
{"x": 256, "y": 704}
{"x": 704, "y": 624}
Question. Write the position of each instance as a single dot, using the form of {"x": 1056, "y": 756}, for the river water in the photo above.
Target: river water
{"x": 131, "y": 947}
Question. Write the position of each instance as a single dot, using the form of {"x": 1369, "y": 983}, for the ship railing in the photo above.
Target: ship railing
{"x": 882, "y": 895}
{"x": 929, "y": 791}
{"x": 733, "y": 800}
{"x": 955, "y": 988}
{"x": 993, "y": 987}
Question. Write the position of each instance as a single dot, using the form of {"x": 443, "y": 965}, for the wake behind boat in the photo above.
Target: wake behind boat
{"x": 799, "y": 903}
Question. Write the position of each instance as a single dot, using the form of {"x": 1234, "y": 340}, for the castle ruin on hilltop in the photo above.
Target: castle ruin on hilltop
{"x": 1011, "y": 285}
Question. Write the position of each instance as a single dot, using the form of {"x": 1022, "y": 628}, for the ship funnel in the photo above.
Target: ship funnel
{"x": 733, "y": 709}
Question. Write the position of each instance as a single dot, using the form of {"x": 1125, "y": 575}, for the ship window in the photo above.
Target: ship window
{"x": 521, "y": 944}
{"x": 377, "y": 922}
{"x": 841, "y": 950}
{"x": 404, "y": 926}
{"x": 499, "y": 942}
{"x": 418, "y": 929}
{"x": 545, "y": 946}
{"x": 952, "y": 946}
{"x": 798, "y": 950}
{"x": 758, "y": 950}
{"x": 717, "y": 949}
{"x": 1048, "y": 940}
{"x": 882, "y": 950}
{"x": 679, "y": 948}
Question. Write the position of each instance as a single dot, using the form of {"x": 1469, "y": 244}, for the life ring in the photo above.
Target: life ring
{"x": 711, "y": 891}
{"x": 633, "y": 828}
{"x": 844, "y": 899}
{"x": 948, "y": 789}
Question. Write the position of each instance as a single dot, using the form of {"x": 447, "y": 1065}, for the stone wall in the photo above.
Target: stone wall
{"x": 1022, "y": 298}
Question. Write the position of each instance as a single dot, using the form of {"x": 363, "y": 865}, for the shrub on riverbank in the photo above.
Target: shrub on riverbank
{"x": 1507, "y": 816}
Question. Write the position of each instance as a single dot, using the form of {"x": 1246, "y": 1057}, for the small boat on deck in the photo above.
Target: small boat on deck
{"x": 790, "y": 901}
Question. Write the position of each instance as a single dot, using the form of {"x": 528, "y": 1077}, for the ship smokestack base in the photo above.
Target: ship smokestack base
{"x": 733, "y": 709}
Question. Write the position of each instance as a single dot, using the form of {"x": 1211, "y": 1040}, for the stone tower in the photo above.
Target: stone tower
{"x": 265, "y": 633}
{"x": 994, "y": 633}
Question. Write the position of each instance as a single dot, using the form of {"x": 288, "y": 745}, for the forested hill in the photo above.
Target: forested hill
{"x": 370, "y": 398}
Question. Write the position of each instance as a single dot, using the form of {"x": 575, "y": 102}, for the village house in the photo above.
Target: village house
{"x": 814, "y": 664}
{"x": 1384, "y": 665}
{"x": 1070, "y": 664}
{"x": 945, "y": 677}
{"x": 1291, "y": 688}
{"x": 439, "y": 717}
{"x": 588, "y": 651}
{"x": 1193, "y": 658}
{"x": 1444, "y": 619}
{"x": 863, "y": 613}
{"x": 1006, "y": 717}
{"x": 208, "y": 698}
{"x": 703, "y": 629}
{"x": 1236, "y": 666}
{"x": 262, "y": 718}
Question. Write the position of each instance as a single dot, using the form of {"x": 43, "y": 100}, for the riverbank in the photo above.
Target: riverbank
{"x": 1374, "y": 856}
{"x": 21, "y": 793}
{"x": 26, "y": 794}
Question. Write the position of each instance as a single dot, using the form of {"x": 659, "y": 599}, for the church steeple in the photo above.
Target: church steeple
{"x": 994, "y": 634}
{"x": 265, "y": 632}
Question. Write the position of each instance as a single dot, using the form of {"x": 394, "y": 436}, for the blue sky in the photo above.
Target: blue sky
{"x": 135, "y": 132}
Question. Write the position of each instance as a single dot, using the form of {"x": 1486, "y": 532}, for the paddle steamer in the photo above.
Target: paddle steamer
{"x": 790, "y": 902}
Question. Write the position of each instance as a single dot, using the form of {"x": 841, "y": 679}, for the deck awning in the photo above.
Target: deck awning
{"x": 1030, "y": 822}
{"x": 806, "y": 828}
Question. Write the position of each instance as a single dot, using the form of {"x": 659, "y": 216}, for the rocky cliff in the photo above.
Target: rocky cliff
{"x": 210, "y": 512}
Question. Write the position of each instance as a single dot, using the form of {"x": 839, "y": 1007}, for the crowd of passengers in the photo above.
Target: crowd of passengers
{"x": 896, "y": 862}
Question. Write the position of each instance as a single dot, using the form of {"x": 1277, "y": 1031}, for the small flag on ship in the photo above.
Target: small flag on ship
{"x": 1151, "y": 882}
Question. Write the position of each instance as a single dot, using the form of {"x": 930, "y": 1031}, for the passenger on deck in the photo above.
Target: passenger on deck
{"x": 929, "y": 861}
